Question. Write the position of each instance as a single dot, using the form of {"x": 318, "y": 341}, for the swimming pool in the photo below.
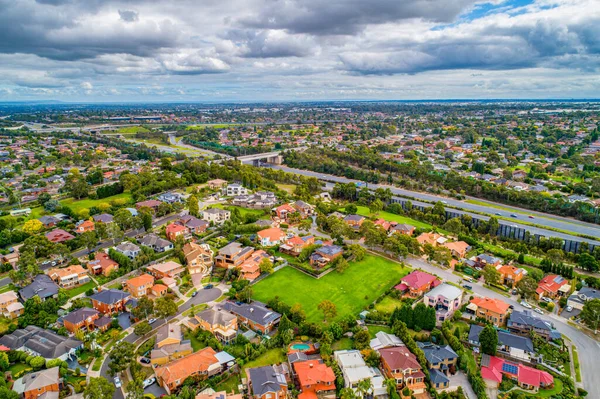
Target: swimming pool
{"x": 300, "y": 347}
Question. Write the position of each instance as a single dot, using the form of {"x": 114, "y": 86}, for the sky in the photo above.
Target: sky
{"x": 304, "y": 50}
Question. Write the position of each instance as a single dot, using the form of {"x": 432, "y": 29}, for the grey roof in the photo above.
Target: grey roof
{"x": 436, "y": 353}
{"x": 504, "y": 338}
{"x": 329, "y": 250}
{"x": 192, "y": 221}
{"x": 224, "y": 357}
{"x": 354, "y": 218}
{"x": 110, "y": 296}
{"x": 37, "y": 380}
{"x": 588, "y": 293}
{"x": 45, "y": 342}
{"x": 437, "y": 377}
{"x": 527, "y": 318}
{"x": 127, "y": 246}
{"x": 448, "y": 291}
{"x": 49, "y": 219}
{"x": 216, "y": 316}
{"x": 152, "y": 240}
{"x": 169, "y": 331}
{"x": 42, "y": 286}
{"x": 255, "y": 311}
{"x": 79, "y": 315}
{"x": 488, "y": 258}
{"x": 297, "y": 357}
{"x": 265, "y": 380}
{"x": 104, "y": 218}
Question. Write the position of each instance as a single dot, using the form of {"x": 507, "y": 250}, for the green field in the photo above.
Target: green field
{"x": 78, "y": 205}
{"x": 388, "y": 304}
{"x": 243, "y": 211}
{"x": 392, "y": 217}
{"x": 375, "y": 329}
{"x": 351, "y": 291}
{"x": 132, "y": 129}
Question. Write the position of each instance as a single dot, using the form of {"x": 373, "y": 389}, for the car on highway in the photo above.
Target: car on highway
{"x": 512, "y": 215}
{"x": 148, "y": 382}
{"x": 117, "y": 382}
{"x": 467, "y": 286}
{"x": 525, "y": 305}
{"x": 152, "y": 320}
{"x": 531, "y": 217}
{"x": 538, "y": 310}
{"x": 498, "y": 214}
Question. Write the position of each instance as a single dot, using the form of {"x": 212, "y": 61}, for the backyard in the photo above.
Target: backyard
{"x": 272, "y": 356}
{"x": 392, "y": 217}
{"x": 78, "y": 205}
{"x": 351, "y": 291}
{"x": 81, "y": 289}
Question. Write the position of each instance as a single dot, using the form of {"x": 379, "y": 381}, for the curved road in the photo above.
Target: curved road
{"x": 203, "y": 296}
{"x": 542, "y": 219}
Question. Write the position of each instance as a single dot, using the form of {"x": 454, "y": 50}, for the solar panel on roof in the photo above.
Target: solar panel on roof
{"x": 559, "y": 279}
{"x": 510, "y": 368}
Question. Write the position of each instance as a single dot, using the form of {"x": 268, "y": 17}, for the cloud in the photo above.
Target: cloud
{"x": 128, "y": 15}
{"x": 194, "y": 63}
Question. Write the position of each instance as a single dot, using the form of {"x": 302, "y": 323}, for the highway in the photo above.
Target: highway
{"x": 541, "y": 219}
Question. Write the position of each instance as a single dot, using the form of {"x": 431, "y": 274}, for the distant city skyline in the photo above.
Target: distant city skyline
{"x": 298, "y": 50}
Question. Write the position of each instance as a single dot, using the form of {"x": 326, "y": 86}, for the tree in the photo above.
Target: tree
{"x": 362, "y": 339}
{"x": 52, "y": 205}
{"x": 37, "y": 362}
{"x": 32, "y": 226}
{"x": 121, "y": 356}
{"x": 364, "y": 387}
{"x": 328, "y": 308}
{"x": 193, "y": 205}
{"x": 526, "y": 287}
{"x": 4, "y": 363}
{"x": 345, "y": 393}
{"x": 391, "y": 387}
{"x": 142, "y": 328}
{"x": 488, "y": 339}
{"x": 341, "y": 265}
{"x": 123, "y": 219}
{"x": 144, "y": 308}
{"x": 165, "y": 307}
{"x": 98, "y": 388}
{"x": 89, "y": 239}
{"x": 146, "y": 220}
{"x": 491, "y": 275}
{"x": 266, "y": 266}
{"x": 351, "y": 209}
{"x": 588, "y": 262}
{"x": 376, "y": 206}
{"x": 591, "y": 313}
{"x": 114, "y": 232}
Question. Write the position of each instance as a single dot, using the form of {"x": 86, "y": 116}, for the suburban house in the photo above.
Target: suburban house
{"x": 87, "y": 319}
{"x": 39, "y": 342}
{"x": 139, "y": 286}
{"x": 384, "y": 340}
{"x": 128, "y": 249}
{"x": 445, "y": 299}
{"x": 42, "y": 286}
{"x": 250, "y": 268}
{"x": 175, "y": 230}
{"x": 169, "y": 345}
{"x": 294, "y": 246}
{"x": 59, "y": 236}
{"x": 324, "y": 255}
{"x": 400, "y": 228}
{"x": 110, "y": 301}
{"x": 484, "y": 260}
{"x": 529, "y": 378}
{"x": 258, "y": 200}
{"x": 193, "y": 224}
{"x": 216, "y": 184}
{"x": 271, "y": 237}
{"x": 216, "y": 215}
{"x": 167, "y": 269}
{"x": 553, "y": 286}
{"x": 222, "y": 324}
{"x": 39, "y": 384}
{"x": 152, "y": 204}
{"x": 579, "y": 298}
{"x": 458, "y": 249}
{"x": 103, "y": 218}
{"x": 102, "y": 264}
{"x": 156, "y": 243}
{"x": 354, "y": 221}
{"x": 282, "y": 211}
{"x": 304, "y": 209}
{"x": 441, "y": 362}
{"x": 523, "y": 322}
{"x": 70, "y": 276}
{"x": 254, "y": 315}
{"x": 354, "y": 369}
{"x": 170, "y": 198}
{"x": 267, "y": 383}
{"x": 516, "y": 346}
{"x": 232, "y": 255}
{"x": 510, "y": 275}
{"x": 316, "y": 380}
{"x": 10, "y": 306}
{"x": 434, "y": 239}
{"x": 234, "y": 189}
{"x": 198, "y": 257}
{"x": 83, "y": 226}
{"x": 383, "y": 224}
{"x": 49, "y": 221}
{"x": 402, "y": 365}
{"x": 203, "y": 364}
{"x": 417, "y": 283}
{"x": 491, "y": 309}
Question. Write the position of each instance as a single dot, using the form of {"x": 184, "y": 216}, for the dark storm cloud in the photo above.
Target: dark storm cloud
{"x": 128, "y": 15}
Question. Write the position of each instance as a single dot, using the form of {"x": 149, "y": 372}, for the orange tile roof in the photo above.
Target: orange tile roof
{"x": 311, "y": 372}
{"x": 182, "y": 368}
{"x": 491, "y": 304}
{"x": 273, "y": 234}
{"x": 144, "y": 279}
{"x": 67, "y": 271}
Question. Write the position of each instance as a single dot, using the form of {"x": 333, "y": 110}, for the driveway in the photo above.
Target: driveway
{"x": 124, "y": 320}
{"x": 155, "y": 390}
{"x": 460, "y": 380}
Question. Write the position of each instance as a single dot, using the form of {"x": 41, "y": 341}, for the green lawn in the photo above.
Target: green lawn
{"x": 388, "y": 304}
{"x": 229, "y": 385}
{"x": 351, "y": 291}
{"x": 132, "y": 129}
{"x": 81, "y": 289}
{"x": 342, "y": 344}
{"x": 544, "y": 393}
{"x": 18, "y": 367}
{"x": 272, "y": 356}
{"x": 375, "y": 329}
{"x": 196, "y": 345}
{"x": 391, "y": 217}
{"x": 5, "y": 323}
{"x": 287, "y": 187}
{"x": 243, "y": 211}
{"x": 78, "y": 205}
{"x": 576, "y": 364}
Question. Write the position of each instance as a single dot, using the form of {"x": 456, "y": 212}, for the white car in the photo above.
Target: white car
{"x": 538, "y": 310}
{"x": 148, "y": 382}
{"x": 569, "y": 308}
{"x": 151, "y": 321}
{"x": 117, "y": 381}
{"x": 545, "y": 299}
{"x": 525, "y": 305}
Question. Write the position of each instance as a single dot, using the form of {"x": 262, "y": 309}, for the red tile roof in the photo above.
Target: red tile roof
{"x": 418, "y": 279}
{"x": 399, "y": 358}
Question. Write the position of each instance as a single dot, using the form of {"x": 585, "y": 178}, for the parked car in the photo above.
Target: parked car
{"x": 148, "y": 382}
{"x": 525, "y": 305}
{"x": 117, "y": 381}
{"x": 152, "y": 320}
{"x": 145, "y": 360}
{"x": 569, "y": 308}
{"x": 514, "y": 291}
{"x": 194, "y": 293}
{"x": 467, "y": 286}
{"x": 546, "y": 299}
{"x": 511, "y": 306}
{"x": 208, "y": 286}
{"x": 538, "y": 310}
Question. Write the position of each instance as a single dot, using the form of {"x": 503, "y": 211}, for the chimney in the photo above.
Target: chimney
{"x": 310, "y": 365}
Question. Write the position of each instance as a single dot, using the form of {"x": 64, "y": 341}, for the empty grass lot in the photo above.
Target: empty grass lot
{"x": 272, "y": 356}
{"x": 351, "y": 291}
{"x": 77, "y": 205}
{"x": 392, "y": 217}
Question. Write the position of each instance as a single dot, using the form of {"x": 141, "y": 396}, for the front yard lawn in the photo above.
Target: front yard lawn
{"x": 81, "y": 289}
{"x": 272, "y": 356}
{"x": 351, "y": 291}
